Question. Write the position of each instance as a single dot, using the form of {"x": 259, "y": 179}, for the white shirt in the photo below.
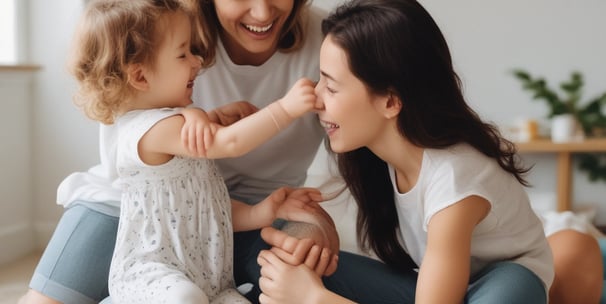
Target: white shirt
{"x": 284, "y": 159}
{"x": 510, "y": 231}
{"x": 98, "y": 186}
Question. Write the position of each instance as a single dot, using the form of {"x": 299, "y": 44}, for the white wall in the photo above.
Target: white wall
{"x": 487, "y": 39}
{"x": 63, "y": 139}
{"x": 16, "y": 231}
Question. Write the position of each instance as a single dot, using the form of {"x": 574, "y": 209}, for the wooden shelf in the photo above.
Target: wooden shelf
{"x": 564, "y": 153}
{"x": 547, "y": 146}
{"x": 19, "y": 67}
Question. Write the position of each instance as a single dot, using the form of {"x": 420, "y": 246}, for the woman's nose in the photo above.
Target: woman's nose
{"x": 319, "y": 105}
{"x": 260, "y": 10}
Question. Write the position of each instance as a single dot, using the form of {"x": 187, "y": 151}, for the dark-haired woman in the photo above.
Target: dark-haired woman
{"x": 437, "y": 188}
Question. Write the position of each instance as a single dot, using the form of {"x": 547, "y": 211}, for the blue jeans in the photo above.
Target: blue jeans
{"x": 74, "y": 267}
{"x": 506, "y": 283}
{"x": 358, "y": 278}
{"x": 365, "y": 280}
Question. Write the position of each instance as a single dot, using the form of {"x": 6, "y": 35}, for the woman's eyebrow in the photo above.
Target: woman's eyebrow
{"x": 327, "y": 76}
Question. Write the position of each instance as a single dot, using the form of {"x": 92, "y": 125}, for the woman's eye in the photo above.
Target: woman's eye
{"x": 182, "y": 56}
{"x": 330, "y": 90}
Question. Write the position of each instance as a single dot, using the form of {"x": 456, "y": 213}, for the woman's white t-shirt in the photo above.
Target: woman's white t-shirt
{"x": 510, "y": 231}
{"x": 284, "y": 159}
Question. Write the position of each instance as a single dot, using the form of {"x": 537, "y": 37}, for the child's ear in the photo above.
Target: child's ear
{"x": 391, "y": 105}
{"x": 136, "y": 77}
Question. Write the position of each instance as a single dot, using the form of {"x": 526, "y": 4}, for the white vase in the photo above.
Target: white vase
{"x": 565, "y": 128}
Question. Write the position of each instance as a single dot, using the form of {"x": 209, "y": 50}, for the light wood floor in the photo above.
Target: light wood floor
{"x": 15, "y": 276}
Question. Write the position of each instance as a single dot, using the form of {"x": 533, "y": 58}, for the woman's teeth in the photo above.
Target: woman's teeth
{"x": 328, "y": 125}
{"x": 258, "y": 29}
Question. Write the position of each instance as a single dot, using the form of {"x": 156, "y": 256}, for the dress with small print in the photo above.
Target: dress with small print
{"x": 174, "y": 242}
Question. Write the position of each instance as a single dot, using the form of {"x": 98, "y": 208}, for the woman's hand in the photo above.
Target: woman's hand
{"x": 284, "y": 283}
{"x": 314, "y": 254}
{"x": 289, "y": 202}
{"x": 231, "y": 112}
{"x": 301, "y": 205}
{"x": 312, "y": 213}
{"x": 283, "y": 201}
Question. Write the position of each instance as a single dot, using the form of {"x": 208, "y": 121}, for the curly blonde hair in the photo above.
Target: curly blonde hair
{"x": 112, "y": 35}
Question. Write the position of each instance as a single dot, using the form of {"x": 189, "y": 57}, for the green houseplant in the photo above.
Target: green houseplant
{"x": 591, "y": 115}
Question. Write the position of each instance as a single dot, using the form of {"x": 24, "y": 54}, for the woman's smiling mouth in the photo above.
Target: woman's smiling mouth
{"x": 258, "y": 29}
{"x": 329, "y": 127}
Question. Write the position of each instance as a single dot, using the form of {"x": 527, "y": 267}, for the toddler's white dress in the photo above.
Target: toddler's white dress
{"x": 174, "y": 242}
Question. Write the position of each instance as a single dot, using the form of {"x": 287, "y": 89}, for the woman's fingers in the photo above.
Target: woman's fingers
{"x": 313, "y": 257}
{"x": 323, "y": 261}
{"x": 290, "y": 249}
{"x": 305, "y": 194}
{"x": 268, "y": 269}
{"x": 298, "y": 255}
{"x": 332, "y": 266}
{"x": 263, "y": 299}
{"x": 277, "y": 238}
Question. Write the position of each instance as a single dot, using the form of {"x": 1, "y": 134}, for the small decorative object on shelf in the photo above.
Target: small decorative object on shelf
{"x": 583, "y": 120}
{"x": 528, "y": 130}
{"x": 566, "y": 128}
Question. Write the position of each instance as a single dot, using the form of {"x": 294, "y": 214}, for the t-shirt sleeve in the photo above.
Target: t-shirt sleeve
{"x": 453, "y": 179}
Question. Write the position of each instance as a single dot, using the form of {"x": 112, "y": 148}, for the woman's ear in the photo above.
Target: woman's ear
{"x": 136, "y": 77}
{"x": 391, "y": 105}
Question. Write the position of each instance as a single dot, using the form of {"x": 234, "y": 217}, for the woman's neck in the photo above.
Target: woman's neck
{"x": 405, "y": 157}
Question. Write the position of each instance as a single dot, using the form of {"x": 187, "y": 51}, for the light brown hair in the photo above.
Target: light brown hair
{"x": 111, "y": 35}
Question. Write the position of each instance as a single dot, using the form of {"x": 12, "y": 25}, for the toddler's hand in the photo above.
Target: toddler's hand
{"x": 197, "y": 131}
{"x": 300, "y": 99}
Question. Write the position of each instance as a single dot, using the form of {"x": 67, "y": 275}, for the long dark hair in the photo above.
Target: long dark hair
{"x": 395, "y": 46}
